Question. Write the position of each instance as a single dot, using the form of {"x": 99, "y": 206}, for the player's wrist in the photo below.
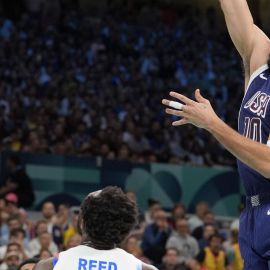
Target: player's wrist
{"x": 215, "y": 125}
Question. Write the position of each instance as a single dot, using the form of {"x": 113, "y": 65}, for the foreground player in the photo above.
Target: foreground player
{"x": 251, "y": 146}
{"x": 107, "y": 217}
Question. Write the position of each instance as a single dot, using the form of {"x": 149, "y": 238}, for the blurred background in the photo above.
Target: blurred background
{"x": 80, "y": 108}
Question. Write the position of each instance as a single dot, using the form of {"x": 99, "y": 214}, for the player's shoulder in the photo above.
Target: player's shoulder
{"x": 148, "y": 267}
{"x": 45, "y": 264}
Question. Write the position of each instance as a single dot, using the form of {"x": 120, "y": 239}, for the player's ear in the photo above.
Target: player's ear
{"x": 199, "y": 97}
{"x": 80, "y": 225}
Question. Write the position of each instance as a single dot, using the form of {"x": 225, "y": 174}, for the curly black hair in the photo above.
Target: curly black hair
{"x": 108, "y": 217}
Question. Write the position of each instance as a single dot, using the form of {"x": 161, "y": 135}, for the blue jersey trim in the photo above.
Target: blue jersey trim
{"x": 139, "y": 265}
{"x": 54, "y": 262}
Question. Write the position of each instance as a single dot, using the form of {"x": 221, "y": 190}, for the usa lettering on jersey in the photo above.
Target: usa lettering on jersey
{"x": 258, "y": 105}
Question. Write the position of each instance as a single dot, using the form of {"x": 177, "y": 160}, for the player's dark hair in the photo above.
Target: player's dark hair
{"x": 28, "y": 261}
{"x": 107, "y": 218}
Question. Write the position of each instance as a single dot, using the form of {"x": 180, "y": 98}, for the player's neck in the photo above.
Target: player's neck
{"x": 98, "y": 245}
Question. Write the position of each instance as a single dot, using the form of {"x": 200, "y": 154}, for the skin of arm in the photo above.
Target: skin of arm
{"x": 148, "y": 267}
{"x": 250, "y": 41}
{"x": 201, "y": 114}
{"x": 44, "y": 265}
{"x": 240, "y": 25}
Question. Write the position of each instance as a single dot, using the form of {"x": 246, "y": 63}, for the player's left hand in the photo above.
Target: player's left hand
{"x": 198, "y": 113}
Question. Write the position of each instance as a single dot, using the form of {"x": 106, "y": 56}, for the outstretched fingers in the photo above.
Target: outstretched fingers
{"x": 181, "y": 122}
{"x": 183, "y": 98}
{"x": 200, "y": 98}
{"x": 176, "y": 113}
{"x": 173, "y": 104}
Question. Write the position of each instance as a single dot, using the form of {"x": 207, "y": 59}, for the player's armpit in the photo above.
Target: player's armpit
{"x": 148, "y": 267}
{"x": 260, "y": 50}
{"x": 44, "y": 264}
{"x": 268, "y": 142}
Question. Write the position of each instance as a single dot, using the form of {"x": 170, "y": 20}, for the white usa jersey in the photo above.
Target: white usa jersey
{"x": 87, "y": 258}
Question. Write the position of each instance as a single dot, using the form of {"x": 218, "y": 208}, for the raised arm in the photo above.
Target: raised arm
{"x": 240, "y": 25}
{"x": 249, "y": 40}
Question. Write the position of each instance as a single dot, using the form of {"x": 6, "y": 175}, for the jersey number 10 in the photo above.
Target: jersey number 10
{"x": 253, "y": 129}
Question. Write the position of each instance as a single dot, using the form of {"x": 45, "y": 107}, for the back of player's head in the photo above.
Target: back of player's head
{"x": 107, "y": 217}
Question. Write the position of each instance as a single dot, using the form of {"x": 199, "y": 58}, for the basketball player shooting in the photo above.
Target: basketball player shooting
{"x": 107, "y": 217}
{"x": 251, "y": 145}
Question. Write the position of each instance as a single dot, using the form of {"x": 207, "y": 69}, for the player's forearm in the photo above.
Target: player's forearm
{"x": 253, "y": 154}
{"x": 240, "y": 25}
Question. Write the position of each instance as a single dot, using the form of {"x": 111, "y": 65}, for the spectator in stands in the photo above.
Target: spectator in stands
{"x": 155, "y": 237}
{"x": 10, "y": 247}
{"x": 171, "y": 261}
{"x": 48, "y": 214}
{"x": 208, "y": 219}
{"x": 72, "y": 228}
{"x": 46, "y": 242}
{"x": 74, "y": 241}
{"x": 208, "y": 231}
{"x": 197, "y": 220}
{"x": 11, "y": 207}
{"x": 132, "y": 246}
{"x": 44, "y": 254}
{"x": 195, "y": 265}
{"x": 62, "y": 216}
{"x": 18, "y": 236}
{"x": 236, "y": 223}
{"x": 19, "y": 183}
{"x": 70, "y": 120}
{"x": 233, "y": 252}
{"x": 183, "y": 241}
{"x": 213, "y": 257}
{"x": 132, "y": 195}
{"x": 42, "y": 240}
{"x": 178, "y": 211}
{"x": 153, "y": 206}
{"x": 13, "y": 222}
{"x": 12, "y": 261}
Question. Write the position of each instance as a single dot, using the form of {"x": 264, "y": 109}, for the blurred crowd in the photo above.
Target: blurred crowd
{"x": 93, "y": 86}
{"x": 170, "y": 240}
